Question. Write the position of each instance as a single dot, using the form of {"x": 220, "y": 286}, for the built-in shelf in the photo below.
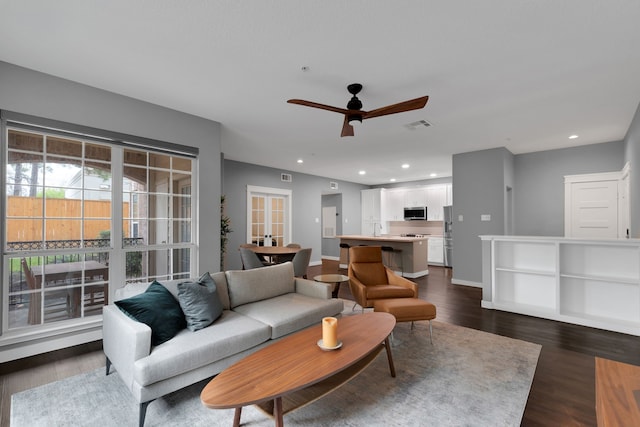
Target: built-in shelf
{"x": 593, "y": 283}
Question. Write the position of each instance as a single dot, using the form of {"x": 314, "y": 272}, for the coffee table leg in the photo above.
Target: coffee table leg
{"x": 392, "y": 368}
{"x": 236, "y": 417}
{"x": 277, "y": 411}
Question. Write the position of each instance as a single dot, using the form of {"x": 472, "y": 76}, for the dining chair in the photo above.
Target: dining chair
{"x": 288, "y": 257}
{"x": 35, "y": 299}
{"x": 265, "y": 260}
{"x": 250, "y": 259}
{"x": 301, "y": 262}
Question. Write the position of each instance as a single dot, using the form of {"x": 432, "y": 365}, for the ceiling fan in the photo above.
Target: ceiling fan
{"x": 354, "y": 113}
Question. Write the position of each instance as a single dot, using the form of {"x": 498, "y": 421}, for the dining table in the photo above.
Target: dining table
{"x": 63, "y": 273}
{"x": 275, "y": 254}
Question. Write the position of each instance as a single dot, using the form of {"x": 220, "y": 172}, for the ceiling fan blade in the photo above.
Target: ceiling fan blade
{"x": 316, "y": 105}
{"x": 347, "y": 129}
{"x": 413, "y": 104}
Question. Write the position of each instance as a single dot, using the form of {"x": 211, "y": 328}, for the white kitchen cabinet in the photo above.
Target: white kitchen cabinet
{"x": 415, "y": 197}
{"x": 436, "y": 199}
{"x": 394, "y": 203}
{"x": 435, "y": 254}
{"x": 593, "y": 283}
{"x": 371, "y": 206}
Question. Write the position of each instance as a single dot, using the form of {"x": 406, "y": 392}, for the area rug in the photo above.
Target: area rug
{"x": 465, "y": 378}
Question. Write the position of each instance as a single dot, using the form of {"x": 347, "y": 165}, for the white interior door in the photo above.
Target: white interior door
{"x": 329, "y": 222}
{"x": 268, "y": 216}
{"x": 594, "y": 209}
{"x": 623, "y": 203}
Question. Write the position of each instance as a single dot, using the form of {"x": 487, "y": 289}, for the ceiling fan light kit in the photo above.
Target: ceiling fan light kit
{"x": 354, "y": 114}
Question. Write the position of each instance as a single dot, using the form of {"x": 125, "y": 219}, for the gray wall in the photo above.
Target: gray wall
{"x": 479, "y": 187}
{"x": 307, "y": 191}
{"x": 539, "y": 184}
{"x": 632, "y": 156}
{"x": 480, "y": 180}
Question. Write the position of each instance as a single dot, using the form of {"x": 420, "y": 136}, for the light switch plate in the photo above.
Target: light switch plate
{"x": 485, "y": 217}
{"x": 460, "y": 218}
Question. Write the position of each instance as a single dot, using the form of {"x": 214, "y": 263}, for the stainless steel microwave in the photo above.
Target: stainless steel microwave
{"x": 415, "y": 213}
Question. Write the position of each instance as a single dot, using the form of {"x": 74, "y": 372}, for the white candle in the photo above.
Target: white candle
{"x": 329, "y": 331}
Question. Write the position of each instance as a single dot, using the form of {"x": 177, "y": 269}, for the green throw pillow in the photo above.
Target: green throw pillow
{"x": 158, "y": 309}
{"x": 200, "y": 302}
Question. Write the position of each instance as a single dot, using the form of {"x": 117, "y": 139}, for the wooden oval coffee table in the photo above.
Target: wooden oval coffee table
{"x": 294, "y": 371}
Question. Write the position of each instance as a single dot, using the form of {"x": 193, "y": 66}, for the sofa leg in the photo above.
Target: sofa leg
{"x": 143, "y": 412}
{"x": 108, "y": 364}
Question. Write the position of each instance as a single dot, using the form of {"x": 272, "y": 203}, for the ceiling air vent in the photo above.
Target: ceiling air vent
{"x": 286, "y": 177}
{"x": 417, "y": 125}
{"x": 333, "y": 185}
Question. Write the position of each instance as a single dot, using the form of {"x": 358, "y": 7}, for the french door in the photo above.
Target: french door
{"x": 268, "y": 216}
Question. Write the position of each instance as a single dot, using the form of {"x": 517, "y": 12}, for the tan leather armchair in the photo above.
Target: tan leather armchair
{"x": 370, "y": 280}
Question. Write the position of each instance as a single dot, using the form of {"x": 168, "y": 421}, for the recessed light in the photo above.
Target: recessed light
{"x": 573, "y": 136}
{"x": 392, "y": 180}
{"x": 300, "y": 161}
{"x": 405, "y": 166}
{"x": 433, "y": 175}
{"x": 362, "y": 172}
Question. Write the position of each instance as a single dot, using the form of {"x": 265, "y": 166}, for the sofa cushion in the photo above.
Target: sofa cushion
{"x": 291, "y": 312}
{"x": 157, "y": 308}
{"x": 232, "y": 333}
{"x": 220, "y": 280}
{"x": 199, "y": 302}
{"x": 247, "y": 286}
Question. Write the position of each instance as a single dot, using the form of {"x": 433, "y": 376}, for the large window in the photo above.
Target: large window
{"x": 85, "y": 215}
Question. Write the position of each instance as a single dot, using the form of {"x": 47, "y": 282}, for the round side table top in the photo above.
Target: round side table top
{"x": 331, "y": 278}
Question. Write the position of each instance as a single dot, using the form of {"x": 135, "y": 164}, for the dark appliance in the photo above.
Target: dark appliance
{"x": 415, "y": 213}
{"x": 446, "y": 234}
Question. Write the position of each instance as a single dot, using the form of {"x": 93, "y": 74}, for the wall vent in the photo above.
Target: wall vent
{"x": 417, "y": 125}
{"x": 333, "y": 185}
{"x": 286, "y": 177}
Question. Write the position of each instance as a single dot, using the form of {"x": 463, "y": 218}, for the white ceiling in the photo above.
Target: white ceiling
{"x": 520, "y": 74}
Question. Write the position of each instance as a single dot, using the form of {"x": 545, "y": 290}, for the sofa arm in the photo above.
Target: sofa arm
{"x": 313, "y": 289}
{"x": 396, "y": 280}
{"x": 124, "y": 341}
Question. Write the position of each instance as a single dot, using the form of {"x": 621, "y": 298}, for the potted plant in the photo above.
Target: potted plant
{"x": 225, "y": 228}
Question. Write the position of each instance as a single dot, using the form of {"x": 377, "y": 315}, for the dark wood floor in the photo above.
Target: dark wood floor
{"x": 563, "y": 390}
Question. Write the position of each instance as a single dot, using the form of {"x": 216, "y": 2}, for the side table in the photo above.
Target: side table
{"x": 336, "y": 279}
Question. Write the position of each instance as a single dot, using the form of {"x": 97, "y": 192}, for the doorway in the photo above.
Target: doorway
{"x": 268, "y": 216}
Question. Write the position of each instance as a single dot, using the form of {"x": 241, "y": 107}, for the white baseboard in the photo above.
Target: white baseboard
{"x": 455, "y": 281}
{"x": 314, "y": 263}
{"x": 486, "y": 304}
{"x": 331, "y": 258}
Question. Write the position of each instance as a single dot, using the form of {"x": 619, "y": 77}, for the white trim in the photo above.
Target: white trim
{"x": 455, "y": 281}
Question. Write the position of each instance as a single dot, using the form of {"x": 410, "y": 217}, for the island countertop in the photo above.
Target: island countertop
{"x": 385, "y": 238}
{"x": 409, "y": 257}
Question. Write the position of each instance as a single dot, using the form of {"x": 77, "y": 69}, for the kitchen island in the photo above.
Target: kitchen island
{"x": 413, "y": 257}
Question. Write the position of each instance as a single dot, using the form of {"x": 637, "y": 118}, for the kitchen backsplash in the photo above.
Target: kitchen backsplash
{"x": 416, "y": 227}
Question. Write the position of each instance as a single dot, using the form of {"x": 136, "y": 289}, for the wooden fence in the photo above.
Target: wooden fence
{"x": 63, "y": 218}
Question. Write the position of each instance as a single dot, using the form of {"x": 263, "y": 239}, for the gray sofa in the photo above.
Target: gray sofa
{"x": 260, "y": 305}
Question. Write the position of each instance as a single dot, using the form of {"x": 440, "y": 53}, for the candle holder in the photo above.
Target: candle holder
{"x": 329, "y": 339}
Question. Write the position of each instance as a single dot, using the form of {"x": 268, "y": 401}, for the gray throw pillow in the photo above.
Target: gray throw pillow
{"x": 199, "y": 302}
